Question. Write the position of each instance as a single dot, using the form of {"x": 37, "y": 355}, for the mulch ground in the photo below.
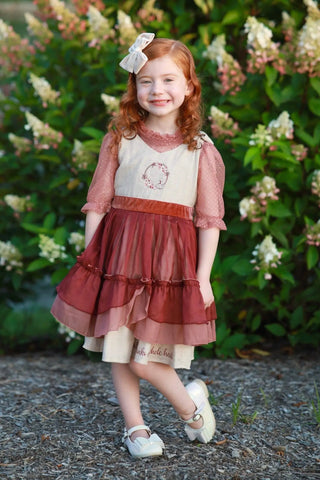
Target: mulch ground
{"x": 59, "y": 420}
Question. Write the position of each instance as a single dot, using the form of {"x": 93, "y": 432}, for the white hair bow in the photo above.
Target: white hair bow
{"x": 136, "y": 58}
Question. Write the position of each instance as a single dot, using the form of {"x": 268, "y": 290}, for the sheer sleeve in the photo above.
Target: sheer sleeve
{"x": 209, "y": 209}
{"x": 101, "y": 190}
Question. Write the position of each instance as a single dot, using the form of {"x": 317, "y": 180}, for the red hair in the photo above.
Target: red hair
{"x": 126, "y": 123}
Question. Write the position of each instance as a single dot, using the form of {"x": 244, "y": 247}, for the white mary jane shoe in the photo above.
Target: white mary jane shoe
{"x": 143, "y": 447}
{"x": 199, "y": 394}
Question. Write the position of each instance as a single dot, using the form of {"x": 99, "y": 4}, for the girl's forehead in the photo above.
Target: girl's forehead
{"x": 164, "y": 64}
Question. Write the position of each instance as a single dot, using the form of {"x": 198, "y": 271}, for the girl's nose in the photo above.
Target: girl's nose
{"x": 156, "y": 88}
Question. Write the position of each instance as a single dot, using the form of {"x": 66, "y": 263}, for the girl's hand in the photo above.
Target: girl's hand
{"x": 206, "y": 292}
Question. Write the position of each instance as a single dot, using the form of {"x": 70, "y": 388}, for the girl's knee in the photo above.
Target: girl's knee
{"x": 142, "y": 371}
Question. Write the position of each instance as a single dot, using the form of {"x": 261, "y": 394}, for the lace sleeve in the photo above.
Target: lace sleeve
{"x": 209, "y": 209}
{"x": 101, "y": 190}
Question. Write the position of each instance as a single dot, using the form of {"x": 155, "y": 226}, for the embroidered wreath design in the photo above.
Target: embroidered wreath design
{"x": 156, "y": 176}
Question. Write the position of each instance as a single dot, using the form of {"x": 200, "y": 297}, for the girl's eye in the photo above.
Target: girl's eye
{"x": 168, "y": 80}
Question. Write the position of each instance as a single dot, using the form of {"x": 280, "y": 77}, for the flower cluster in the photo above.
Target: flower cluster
{"x": 44, "y": 136}
{"x": 281, "y": 126}
{"x": 10, "y": 256}
{"x": 128, "y": 32}
{"x": 222, "y": 125}
{"x": 262, "y": 50}
{"x": 44, "y": 90}
{"x": 51, "y": 250}
{"x": 14, "y": 50}
{"x": 266, "y": 257}
{"x": 78, "y": 240}
{"x": 38, "y": 29}
{"x": 149, "y": 13}
{"x": 308, "y": 43}
{"x": 44, "y": 9}
{"x": 82, "y": 6}
{"x": 70, "y": 25}
{"x": 312, "y": 233}
{"x": 21, "y": 144}
{"x": 261, "y": 137}
{"x": 254, "y": 207}
{"x": 315, "y": 184}
{"x": 81, "y": 156}
{"x": 111, "y": 103}
{"x": 99, "y": 27}
{"x": 278, "y": 128}
{"x": 229, "y": 70}
{"x": 299, "y": 151}
{"x": 68, "y": 333}
{"x": 18, "y": 204}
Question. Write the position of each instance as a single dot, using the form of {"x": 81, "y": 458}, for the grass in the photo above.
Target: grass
{"x": 316, "y": 405}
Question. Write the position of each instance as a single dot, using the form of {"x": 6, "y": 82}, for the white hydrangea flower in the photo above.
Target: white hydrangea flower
{"x": 37, "y": 28}
{"x": 99, "y": 25}
{"x": 281, "y": 126}
{"x": 81, "y": 156}
{"x": 266, "y": 188}
{"x": 70, "y": 334}
{"x": 10, "y": 256}
{"x": 5, "y": 30}
{"x": 42, "y": 131}
{"x": 128, "y": 33}
{"x": 18, "y": 204}
{"x": 259, "y": 36}
{"x": 78, "y": 240}
{"x": 51, "y": 250}
{"x": 266, "y": 256}
{"x": 261, "y": 137}
{"x": 112, "y": 103}
{"x": 43, "y": 89}
{"x": 216, "y": 50}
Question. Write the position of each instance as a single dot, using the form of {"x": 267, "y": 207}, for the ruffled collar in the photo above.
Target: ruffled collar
{"x": 160, "y": 141}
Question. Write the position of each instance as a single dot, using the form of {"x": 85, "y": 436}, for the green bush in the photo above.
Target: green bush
{"x": 259, "y": 67}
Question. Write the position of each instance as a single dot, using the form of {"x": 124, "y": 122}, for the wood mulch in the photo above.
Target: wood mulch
{"x": 59, "y": 420}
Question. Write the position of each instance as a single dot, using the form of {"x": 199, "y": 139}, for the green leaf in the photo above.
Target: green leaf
{"x": 49, "y": 220}
{"x": 38, "y": 264}
{"x": 34, "y": 228}
{"x": 306, "y": 137}
{"x": 277, "y": 209}
{"x": 93, "y": 132}
{"x": 253, "y": 155}
{"x": 315, "y": 83}
{"x": 242, "y": 267}
{"x": 314, "y": 106}
{"x": 59, "y": 180}
{"x": 205, "y": 5}
{"x": 296, "y": 318}
{"x": 232, "y": 17}
{"x": 61, "y": 235}
{"x": 312, "y": 256}
{"x": 276, "y": 329}
{"x": 271, "y": 74}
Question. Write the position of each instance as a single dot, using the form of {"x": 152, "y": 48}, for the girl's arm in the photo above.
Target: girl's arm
{"x": 92, "y": 221}
{"x": 207, "y": 247}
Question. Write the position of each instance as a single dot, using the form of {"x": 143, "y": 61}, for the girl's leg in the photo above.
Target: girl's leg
{"x": 167, "y": 381}
{"x": 127, "y": 388}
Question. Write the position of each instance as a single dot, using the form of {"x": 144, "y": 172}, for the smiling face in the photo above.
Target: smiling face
{"x": 161, "y": 90}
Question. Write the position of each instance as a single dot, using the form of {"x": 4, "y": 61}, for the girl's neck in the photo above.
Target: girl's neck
{"x": 161, "y": 126}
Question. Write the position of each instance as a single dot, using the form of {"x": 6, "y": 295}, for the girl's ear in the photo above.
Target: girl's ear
{"x": 189, "y": 88}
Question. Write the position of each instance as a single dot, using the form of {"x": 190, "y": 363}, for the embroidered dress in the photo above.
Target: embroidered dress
{"x": 133, "y": 292}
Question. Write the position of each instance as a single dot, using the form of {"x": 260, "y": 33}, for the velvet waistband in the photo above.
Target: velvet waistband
{"x": 153, "y": 206}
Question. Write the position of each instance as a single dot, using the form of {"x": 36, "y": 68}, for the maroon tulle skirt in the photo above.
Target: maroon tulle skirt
{"x": 139, "y": 270}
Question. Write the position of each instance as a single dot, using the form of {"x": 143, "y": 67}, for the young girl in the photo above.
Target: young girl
{"x": 141, "y": 292}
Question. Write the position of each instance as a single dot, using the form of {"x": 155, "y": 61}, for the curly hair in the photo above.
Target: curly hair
{"x": 126, "y": 123}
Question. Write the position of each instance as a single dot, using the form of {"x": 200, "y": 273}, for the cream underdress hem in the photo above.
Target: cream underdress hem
{"x": 121, "y": 346}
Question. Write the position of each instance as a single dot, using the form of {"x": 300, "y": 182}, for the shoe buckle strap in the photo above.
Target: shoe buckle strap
{"x": 197, "y": 414}
{"x": 128, "y": 433}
